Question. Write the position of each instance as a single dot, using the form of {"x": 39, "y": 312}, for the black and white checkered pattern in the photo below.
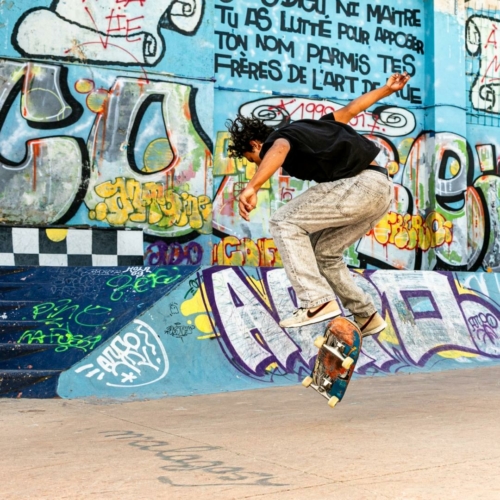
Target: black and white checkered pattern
{"x": 30, "y": 246}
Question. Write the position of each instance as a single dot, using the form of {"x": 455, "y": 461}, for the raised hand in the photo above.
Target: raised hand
{"x": 397, "y": 81}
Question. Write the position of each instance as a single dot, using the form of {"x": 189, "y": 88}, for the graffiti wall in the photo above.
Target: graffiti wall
{"x": 316, "y": 56}
{"x": 143, "y": 332}
{"x": 102, "y": 124}
{"x": 113, "y": 118}
{"x": 112, "y": 114}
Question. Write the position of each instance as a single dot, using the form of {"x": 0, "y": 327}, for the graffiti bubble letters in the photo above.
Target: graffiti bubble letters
{"x": 146, "y": 163}
{"x": 38, "y": 190}
{"x": 32, "y": 81}
{"x": 413, "y": 231}
{"x": 125, "y": 32}
{"x": 231, "y": 251}
{"x": 132, "y": 359}
{"x": 128, "y": 188}
{"x": 173, "y": 254}
{"x": 127, "y": 201}
{"x": 465, "y": 323}
{"x": 246, "y": 315}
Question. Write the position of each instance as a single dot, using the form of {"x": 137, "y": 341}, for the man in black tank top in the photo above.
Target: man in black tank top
{"x": 312, "y": 231}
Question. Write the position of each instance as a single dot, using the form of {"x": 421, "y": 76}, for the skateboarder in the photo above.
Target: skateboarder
{"x": 312, "y": 231}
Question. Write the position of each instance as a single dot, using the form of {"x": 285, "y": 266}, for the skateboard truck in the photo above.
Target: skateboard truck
{"x": 323, "y": 390}
{"x": 337, "y": 351}
{"x": 326, "y": 383}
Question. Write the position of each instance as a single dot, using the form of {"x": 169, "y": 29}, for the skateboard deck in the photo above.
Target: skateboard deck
{"x": 338, "y": 353}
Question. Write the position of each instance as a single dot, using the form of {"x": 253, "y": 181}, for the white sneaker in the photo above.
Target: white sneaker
{"x": 302, "y": 317}
{"x": 370, "y": 325}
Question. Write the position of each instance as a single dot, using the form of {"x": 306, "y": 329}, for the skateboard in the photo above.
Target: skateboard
{"x": 338, "y": 353}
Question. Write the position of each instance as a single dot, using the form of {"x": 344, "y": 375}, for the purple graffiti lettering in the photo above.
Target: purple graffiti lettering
{"x": 194, "y": 253}
{"x": 173, "y": 254}
{"x": 433, "y": 321}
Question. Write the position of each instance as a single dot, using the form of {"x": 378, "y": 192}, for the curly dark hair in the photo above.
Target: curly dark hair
{"x": 242, "y": 131}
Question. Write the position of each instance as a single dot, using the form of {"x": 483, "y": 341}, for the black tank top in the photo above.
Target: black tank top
{"x": 323, "y": 150}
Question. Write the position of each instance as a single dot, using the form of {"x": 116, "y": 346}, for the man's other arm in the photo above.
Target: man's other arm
{"x": 394, "y": 83}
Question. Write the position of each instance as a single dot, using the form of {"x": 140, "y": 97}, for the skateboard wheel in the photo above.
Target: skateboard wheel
{"x": 347, "y": 363}
{"x": 333, "y": 401}
{"x": 319, "y": 342}
{"x": 307, "y": 381}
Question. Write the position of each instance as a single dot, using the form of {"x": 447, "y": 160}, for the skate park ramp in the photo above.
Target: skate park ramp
{"x": 153, "y": 332}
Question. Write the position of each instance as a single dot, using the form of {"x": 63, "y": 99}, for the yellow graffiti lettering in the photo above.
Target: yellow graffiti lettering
{"x": 401, "y": 239}
{"x": 122, "y": 201}
{"x": 152, "y": 196}
{"x": 411, "y": 231}
{"x": 171, "y": 208}
{"x": 269, "y": 255}
{"x": 129, "y": 201}
{"x": 382, "y": 231}
{"x": 192, "y": 210}
{"x": 440, "y": 228}
{"x": 205, "y": 206}
{"x": 232, "y": 251}
{"x": 243, "y": 252}
{"x": 424, "y": 238}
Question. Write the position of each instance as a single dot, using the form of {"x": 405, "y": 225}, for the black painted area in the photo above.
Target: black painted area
{"x": 53, "y": 317}
{"x": 6, "y": 240}
{"x": 79, "y": 260}
{"x": 11, "y": 354}
{"x": 46, "y": 245}
{"x": 35, "y": 383}
{"x": 105, "y": 243}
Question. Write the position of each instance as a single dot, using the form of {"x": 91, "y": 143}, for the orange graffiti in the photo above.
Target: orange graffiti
{"x": 231, "y": 251}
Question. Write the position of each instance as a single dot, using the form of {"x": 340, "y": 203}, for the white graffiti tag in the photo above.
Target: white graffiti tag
{"x": 131, "y": 359}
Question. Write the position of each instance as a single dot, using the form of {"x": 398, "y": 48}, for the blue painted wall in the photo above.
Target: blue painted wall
{"x": 155, "y": 332}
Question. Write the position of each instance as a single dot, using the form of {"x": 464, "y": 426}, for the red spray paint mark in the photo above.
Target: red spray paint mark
{"x": 36, "y": 154}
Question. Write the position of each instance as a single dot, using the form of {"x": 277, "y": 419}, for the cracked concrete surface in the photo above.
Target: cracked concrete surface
{"x": 398, "y": 437}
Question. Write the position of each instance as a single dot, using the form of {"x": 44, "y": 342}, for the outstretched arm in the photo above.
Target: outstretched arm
{"x": 394, "y": 83}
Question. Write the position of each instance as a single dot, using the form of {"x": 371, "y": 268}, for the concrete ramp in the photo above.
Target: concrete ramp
{"x": 152, "y": 332}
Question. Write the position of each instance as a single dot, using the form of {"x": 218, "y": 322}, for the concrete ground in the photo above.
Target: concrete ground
{"x": 406, "y": 436}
